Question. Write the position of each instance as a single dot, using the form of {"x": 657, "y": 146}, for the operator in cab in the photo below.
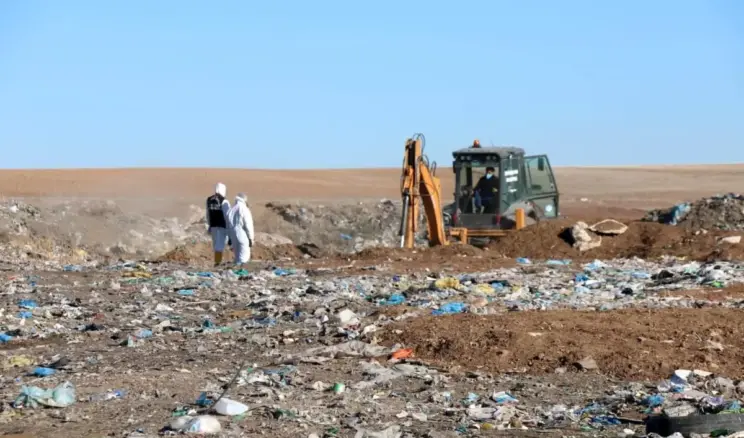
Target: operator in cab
{"x": 487, "y": 191}
{"x": 217, "y": 208}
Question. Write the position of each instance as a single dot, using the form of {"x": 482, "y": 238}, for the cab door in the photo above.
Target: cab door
{"x": 541, "y": 185}
{"x": 512, "y": 183}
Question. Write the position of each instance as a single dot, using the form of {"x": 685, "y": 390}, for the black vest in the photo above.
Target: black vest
{"x": 214, "y": 207}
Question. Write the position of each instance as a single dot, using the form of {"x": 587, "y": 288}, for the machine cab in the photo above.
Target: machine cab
{"x": 482, "y": 202}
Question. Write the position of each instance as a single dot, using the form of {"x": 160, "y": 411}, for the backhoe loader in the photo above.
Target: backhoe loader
{"x": 524, "y": 192}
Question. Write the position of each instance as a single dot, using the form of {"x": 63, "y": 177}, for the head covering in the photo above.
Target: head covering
{"x": 220, "y": 189}
{"x": 240, "y": 197}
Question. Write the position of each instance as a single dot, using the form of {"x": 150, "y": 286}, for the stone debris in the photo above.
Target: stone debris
{"x": 583, "y": 240}
{"x": 609, "y": 227}
{"x": 588, "y": 364}
{"x": 730, "y": 239}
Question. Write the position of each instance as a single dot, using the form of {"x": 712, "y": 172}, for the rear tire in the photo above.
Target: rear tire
{"x": 479, "y": 242}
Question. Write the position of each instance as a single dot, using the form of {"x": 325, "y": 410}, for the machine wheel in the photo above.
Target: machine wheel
{"x": 479, "y": 242}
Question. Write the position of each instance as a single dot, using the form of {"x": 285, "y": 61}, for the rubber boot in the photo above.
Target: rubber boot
{"x": 217, "y": 258}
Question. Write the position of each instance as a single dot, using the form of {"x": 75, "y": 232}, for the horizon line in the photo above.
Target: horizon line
{"x": 335, "y": 169}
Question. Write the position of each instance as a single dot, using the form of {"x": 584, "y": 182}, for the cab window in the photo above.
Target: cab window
{"x": 540, "y": 175}
{"x": 467, "y": 178}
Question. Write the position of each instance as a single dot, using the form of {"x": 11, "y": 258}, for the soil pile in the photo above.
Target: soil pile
{"x": 194, "y": 254}
{"x": 546, "y": 240}
{"x": 551, "y": 240}
{"x": 630, "y": 344}
{"x": 200, "y": 254}
{"x": 725, "y": 212}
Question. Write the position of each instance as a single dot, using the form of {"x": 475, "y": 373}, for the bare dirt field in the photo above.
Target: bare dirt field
{"x": 622, "y": 188}
{"x": 106, "y": 282}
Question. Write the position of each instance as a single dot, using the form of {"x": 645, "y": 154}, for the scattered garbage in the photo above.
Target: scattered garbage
{"x": 330, "y": 353}
{"x": 721, "y": 212}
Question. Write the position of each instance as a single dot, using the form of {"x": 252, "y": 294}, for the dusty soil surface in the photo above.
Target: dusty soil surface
{"x": 88, "y": 318}
{"x": 200, "y": 339}
{"x": 611, "y": 189}
{"x": 337, "y": 225}
{"x": 628, "y": 344}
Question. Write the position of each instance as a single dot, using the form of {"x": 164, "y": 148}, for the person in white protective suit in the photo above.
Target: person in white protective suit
{"x": 217, "y": 208}
{"x": 240, "y": 221}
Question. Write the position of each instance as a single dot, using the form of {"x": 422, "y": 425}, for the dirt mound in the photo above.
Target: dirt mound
{"x": 546, "y": 240}
{"x": 277, "y": 252}
{"x": 724, "y": 212}
{"x": 200, "y": 254}
{"x": 549, "y": 239}
{"x": 630, "y": 344}
{"x": 190, "y": 254}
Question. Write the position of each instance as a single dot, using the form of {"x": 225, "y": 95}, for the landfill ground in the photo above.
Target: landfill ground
{"x": 106, "y": 282}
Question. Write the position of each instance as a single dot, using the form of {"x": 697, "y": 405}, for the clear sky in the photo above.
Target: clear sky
{"x": 339, "y": 83}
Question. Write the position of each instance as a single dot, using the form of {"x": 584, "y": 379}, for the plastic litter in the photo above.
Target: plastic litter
{"x": 110, "y": 395}
{"x": 450, "y": 308}
{"x": 447, "y": 283}
{"x": 202, "y": 424}
{"x": 230, "y": 407}
{"x": 27, "y": 304}
{"x": 393, "y": 300}
{"x": 503, "y": 397}
{"x": 297, "y": 323}
{"x": 61, "y": 396}
{"x": 43, "y": 372}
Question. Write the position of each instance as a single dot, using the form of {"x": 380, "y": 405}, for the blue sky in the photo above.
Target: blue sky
{"x": 325, "y": 84}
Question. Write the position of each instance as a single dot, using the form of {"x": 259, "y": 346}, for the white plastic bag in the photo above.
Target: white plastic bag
{"x": 230, "y": 407}
{"x": 205, "y": 424}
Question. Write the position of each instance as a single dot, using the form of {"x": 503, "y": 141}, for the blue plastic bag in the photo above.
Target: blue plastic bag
{"x": 394, "y": 300}
{"x": 449, "y": 308}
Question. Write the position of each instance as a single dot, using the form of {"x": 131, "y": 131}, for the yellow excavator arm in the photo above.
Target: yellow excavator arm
{"x": 419, "y": 185}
